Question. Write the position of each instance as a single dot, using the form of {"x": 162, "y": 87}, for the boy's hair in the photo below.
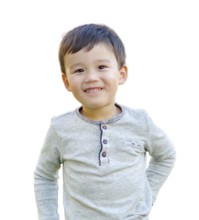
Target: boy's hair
{"x": 87, "y": 36}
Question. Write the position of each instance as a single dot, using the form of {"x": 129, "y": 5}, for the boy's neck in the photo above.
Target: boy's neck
{"x": 102, "y": 114}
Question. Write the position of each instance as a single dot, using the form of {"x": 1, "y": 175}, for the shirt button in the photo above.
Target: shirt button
{"x": 105, "y": 141}
{"x": 104, "y": 127}
{"x": 104, "y": 154}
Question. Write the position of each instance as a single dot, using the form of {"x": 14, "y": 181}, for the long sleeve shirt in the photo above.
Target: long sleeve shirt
{"x": 105, "y": 171}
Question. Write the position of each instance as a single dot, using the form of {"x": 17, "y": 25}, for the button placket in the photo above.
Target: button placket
{"x": 105, "y": 145}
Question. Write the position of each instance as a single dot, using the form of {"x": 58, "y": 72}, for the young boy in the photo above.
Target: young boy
{"x": 101, "y": 145}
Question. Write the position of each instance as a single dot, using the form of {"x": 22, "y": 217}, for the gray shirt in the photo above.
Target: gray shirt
{"x": 105, "y": 172}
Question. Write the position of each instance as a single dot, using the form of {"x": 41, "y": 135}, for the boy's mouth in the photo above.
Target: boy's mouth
{"x": 93, "y": 90}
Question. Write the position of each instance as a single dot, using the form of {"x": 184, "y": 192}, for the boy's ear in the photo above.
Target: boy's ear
{"x": 65, "y": 81}
{"x": 123, "y": 75}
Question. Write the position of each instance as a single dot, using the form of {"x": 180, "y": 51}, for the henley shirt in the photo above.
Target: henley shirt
{"x": 105, "y": 171}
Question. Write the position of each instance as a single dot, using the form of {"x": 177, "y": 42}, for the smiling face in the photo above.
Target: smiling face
{"x": 93, "y": 78}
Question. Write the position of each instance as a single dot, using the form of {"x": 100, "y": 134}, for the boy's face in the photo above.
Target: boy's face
{"x": 93, "y": 77}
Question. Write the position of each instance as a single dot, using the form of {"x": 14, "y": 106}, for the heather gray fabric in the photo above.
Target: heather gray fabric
{"x": 104, "y": 166}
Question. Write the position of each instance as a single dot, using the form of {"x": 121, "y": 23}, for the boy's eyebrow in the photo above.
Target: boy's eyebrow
{"x": 103, "y": 60}
{"x": 75, "y": 65}
{"x": 98, "y": 60}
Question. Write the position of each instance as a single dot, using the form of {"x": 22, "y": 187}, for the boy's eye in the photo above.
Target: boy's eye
{"x": 79, "y": 71}
{"x": 101, "y": 67}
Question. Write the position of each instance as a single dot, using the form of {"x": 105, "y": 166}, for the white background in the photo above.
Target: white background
{"x": 162, "y": 44}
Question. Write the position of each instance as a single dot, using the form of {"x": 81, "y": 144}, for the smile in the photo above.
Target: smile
{"x": 93, "y": 90}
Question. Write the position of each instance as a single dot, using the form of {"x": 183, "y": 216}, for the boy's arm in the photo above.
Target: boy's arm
{"x": 162, "y": 160}
{"x": 45, "y": 178}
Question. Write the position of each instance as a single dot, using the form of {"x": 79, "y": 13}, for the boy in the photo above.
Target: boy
{"x": 101, "y": 145}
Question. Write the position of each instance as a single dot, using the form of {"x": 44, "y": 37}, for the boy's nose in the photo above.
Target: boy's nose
{"x": 91, "y": 76}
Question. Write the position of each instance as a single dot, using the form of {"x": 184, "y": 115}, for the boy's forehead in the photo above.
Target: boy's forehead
{"x": 100, "y": 51}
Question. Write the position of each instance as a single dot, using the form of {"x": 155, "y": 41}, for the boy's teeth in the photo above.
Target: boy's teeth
{"x": 93, "y": 90}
